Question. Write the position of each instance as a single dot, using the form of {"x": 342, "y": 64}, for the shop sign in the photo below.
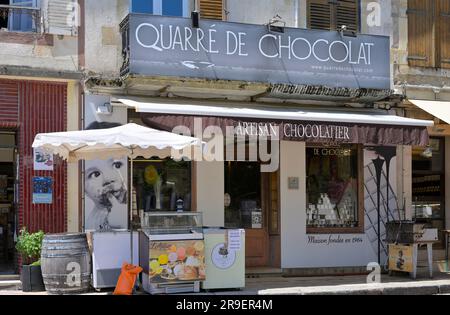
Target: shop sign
{"x": 246, "y": 52}
{"x": 222, "y": 257}
{"x": 332, "y": 152}
{"x": 401, "y": 258}
{"x": 326, "y": 133}
{"x": 235, "y": 239}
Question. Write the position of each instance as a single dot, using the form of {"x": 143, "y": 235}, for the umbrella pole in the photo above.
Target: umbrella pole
{"x": 131, "y": 210}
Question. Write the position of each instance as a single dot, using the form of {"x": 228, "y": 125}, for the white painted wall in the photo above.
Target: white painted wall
{"x": 210, "y": 178}
{"x": 261, "y": 11}
{"x": 296, "y": 251}
{"x": 103, "y": 39}
{"x": 63, "y": 55}
{"x": 292, "y": 205}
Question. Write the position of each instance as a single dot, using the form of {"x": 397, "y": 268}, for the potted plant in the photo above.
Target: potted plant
{"x": 29, "y": 247}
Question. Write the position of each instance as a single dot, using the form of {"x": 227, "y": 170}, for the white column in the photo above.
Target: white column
{"x": 292, "y": 203}
{"x": 73, "y": 191}
{"x": 210, "y": 182}
{"x": 447, "y": 182}
{"x": 404, "y": 178}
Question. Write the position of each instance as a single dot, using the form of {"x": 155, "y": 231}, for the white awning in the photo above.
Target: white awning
{"x": 438, "y": 109}
{"x": 129, "y": 140}
{"x": 277, "y": 113}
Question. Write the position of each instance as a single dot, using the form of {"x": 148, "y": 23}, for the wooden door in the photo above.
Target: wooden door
{"x": 257, "y": 240}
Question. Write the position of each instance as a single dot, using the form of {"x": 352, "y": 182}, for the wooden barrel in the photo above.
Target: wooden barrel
{"x": 66, "y": 264}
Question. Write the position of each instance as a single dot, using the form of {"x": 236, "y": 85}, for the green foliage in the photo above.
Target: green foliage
{"x": 36, "y": 264}
{"x": 29, "y": 246}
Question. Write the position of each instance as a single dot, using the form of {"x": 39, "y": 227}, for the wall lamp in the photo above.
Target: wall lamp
{"x": 274, "y": 24}
{"x": 345, "y": 32}
{"x": 105, "y": 109}
{"x": 195, "y": 16}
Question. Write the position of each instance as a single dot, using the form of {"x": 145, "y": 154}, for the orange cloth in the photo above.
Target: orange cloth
{"x": 127, "y": 279}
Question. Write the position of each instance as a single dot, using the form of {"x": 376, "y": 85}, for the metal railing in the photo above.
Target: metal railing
{"x": 24, "y": 19}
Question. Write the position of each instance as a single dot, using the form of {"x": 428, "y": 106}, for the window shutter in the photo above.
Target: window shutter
{"x": 332, "y": 14}
{"x": 60, "y": 16}
{"x": 211, "y": 9}
{"x": 420, "y": 33}
{"x": 347, "y": 13}
{"x": 444, "y": 33}
{"x": 319, "y": 14}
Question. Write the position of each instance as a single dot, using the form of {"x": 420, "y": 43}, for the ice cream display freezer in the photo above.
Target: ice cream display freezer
{"x": 172, "y": 252}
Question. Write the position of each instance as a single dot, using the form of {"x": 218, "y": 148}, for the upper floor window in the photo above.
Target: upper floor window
{"x": 162, "y": 7}
{"x": 332, "y": 14}
{"x": 19, "y": 15}
{"x": 429, "y": 33}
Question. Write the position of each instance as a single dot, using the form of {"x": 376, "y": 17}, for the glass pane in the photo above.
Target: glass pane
{"x": 142, "y": 6}
{"x": 21, "y": 21}
{"x": 243, "y": 195}
{"x": 428, "y": 182}
{"x": 430, "y": 158}
{"x": 162, "y": 185}
{"x": 332, "y": 186}
{"x": 172, "y": 7}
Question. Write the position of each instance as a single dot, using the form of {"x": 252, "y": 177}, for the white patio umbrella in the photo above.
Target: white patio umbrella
{"x": 130, "y": 140}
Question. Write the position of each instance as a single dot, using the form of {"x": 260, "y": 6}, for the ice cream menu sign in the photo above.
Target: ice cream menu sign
{"x": 175, "y": 261}
{"x": 235, "y": 51}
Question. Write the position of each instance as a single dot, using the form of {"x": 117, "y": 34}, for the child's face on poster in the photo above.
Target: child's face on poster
{"x": 106, "y": 180}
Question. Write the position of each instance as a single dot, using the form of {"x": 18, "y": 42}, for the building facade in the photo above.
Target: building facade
{"x": 319, "y": 209}
{"x": 330, "y": 75}
{"x": 421, "y": 81}
{"x": 39, "y": 91}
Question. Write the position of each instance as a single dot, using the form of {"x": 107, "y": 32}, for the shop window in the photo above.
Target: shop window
{"x": 162, "y": 185}
{"x": 428, "y": 179}
{"x": 333, "y": 189}
{"x": 160, "y": 7}
{"x": 243, "y": 207}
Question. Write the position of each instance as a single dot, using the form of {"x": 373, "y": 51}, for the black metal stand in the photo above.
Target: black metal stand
{"x": 378, "y": 163}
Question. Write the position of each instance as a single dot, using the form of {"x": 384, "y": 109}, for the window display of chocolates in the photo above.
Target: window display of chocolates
{"x": 327, "y": 214}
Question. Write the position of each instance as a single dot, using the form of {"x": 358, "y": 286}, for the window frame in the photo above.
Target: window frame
{"x": 359, "y": 229}
{"x": 441, "y": 173}
{"x": 158, "y": 8}
{"x": 436, "y": 59}
{"x": 155, "y": 160}
{"x": 22, "y": 18}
